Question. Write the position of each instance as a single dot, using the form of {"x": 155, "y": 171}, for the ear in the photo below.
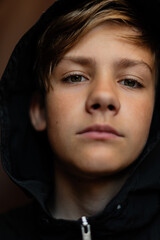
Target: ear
{"x": 37, "y": 112}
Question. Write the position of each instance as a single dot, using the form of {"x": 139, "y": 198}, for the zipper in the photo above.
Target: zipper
{"x": 86, "y": 229}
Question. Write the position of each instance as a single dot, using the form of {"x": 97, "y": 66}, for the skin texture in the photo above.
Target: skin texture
{"x": 113, "y": 86}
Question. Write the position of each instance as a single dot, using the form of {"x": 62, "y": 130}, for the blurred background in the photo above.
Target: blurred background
{"x": 16, "y": 17}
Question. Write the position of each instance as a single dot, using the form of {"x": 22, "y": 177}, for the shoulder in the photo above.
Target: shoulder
{"x": 18, "y": 223}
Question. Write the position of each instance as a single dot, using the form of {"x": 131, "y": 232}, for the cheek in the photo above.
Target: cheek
{"x": 61, "y": 113}
{"x": 139, "y": 118}
{"x": 56, "y": 113}
{"x": 56, "y": 123}
{"x": 64, "y": 107}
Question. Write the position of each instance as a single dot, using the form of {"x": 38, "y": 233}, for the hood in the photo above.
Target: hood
{"x": 25, "y": 154}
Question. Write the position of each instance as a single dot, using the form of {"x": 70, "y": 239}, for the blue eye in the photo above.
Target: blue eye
{"x": 74, "y": 78}
{"x": 131, "y": 83}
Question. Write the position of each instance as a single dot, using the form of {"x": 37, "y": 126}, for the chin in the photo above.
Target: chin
{"x": 99, "y": 167}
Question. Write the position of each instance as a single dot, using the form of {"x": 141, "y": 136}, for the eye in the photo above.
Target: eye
{"x": 75, "y": 78}
{"x": 131, "y": 83}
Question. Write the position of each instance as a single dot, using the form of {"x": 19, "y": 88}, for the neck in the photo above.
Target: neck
{"x": 75, "y": 197}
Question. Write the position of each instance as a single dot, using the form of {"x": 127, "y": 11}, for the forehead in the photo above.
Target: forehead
{"x": 111, "y": 40}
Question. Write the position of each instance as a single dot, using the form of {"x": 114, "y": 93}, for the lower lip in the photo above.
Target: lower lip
{"x": 99, "y": 135}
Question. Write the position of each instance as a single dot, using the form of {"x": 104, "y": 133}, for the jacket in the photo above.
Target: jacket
{"x": 134, "y": 213}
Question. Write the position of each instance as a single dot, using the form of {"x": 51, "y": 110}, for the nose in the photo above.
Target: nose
{"x": 103, "y": 97}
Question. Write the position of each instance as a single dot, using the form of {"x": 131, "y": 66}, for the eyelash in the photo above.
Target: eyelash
{"x": 130, "y": 80}
{"x": 68, "y": 79}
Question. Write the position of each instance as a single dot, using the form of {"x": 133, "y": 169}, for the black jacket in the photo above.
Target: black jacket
{"x": 134, "y": 213}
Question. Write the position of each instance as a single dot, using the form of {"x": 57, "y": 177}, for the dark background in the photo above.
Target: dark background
{"x": 16, "y": 17}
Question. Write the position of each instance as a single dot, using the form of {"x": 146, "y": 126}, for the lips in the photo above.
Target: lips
{"x": 100, "y": 132}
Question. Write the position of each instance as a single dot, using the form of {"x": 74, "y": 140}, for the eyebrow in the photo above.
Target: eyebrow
{"x": 84, "y": 61}
{"x": 126, "y": 63}
{"x": 122, "y": 63}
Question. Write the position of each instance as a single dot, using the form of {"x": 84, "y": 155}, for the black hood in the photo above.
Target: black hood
{"x": 26, "y": 156}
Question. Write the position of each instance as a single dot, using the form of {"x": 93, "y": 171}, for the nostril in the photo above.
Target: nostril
{"x": 111, "y": 107}
{"x": 96, "y": 106}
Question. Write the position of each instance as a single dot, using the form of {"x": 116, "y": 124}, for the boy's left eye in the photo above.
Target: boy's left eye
{"x": 74, "y": 78}
{"x": 131, "y": 83}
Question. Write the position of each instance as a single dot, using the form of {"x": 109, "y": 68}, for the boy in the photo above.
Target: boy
{"x": 91, "y": 110}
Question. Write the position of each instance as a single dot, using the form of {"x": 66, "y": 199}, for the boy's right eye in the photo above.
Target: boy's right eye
{"x": 74, "y": 78}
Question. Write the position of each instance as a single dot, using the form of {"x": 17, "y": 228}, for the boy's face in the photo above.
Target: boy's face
{"x": 99, "y": 112}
